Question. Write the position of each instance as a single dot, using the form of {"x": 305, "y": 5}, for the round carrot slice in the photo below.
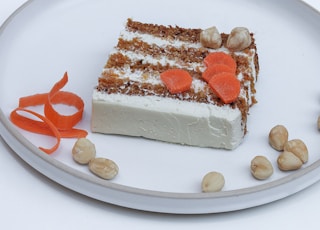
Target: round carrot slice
{"x": 226, "y": 86}
{"x": 176, "y": 80}
{"x": 215, "y": 69}
{"x": 220, "y": 58}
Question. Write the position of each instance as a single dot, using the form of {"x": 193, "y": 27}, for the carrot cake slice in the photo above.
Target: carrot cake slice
{"x": 134, "y": 98}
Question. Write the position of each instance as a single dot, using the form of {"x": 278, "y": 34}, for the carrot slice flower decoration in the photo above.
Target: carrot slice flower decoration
{"x": 52, "y": 123}
{"x": 220, "y": 74}
{"x": 176, "y": 80}
{"x": 215, "y": 69}
{"x": 220, "y": 58}
{"x": 226, "y": 86}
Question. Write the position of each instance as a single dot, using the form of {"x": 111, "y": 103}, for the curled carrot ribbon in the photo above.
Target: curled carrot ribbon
{"x": 52, "y": 123}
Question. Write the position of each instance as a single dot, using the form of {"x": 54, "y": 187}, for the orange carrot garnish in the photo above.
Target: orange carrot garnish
{"x": 53, "y": 123}
{"x": 55, "y": 96}
{"x": 42, "y": 127}
{"x": 220, "y": 58}
{"x": 226, "y": 86}
{"x": 215, "y": 69}
{"x": 176, "y": 80}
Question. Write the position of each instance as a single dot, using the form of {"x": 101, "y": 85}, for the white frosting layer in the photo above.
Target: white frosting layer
{"x": 128, "y": 35}
{"x": 166, "y": 119}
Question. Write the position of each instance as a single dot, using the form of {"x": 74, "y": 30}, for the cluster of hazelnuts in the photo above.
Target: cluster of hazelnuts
{"x": 239, "y": 38}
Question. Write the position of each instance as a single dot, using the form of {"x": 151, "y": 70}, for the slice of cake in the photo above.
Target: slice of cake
{"x": 131, "y": 98}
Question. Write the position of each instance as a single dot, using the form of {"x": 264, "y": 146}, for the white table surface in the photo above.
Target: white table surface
{"x": 29, "y": 200}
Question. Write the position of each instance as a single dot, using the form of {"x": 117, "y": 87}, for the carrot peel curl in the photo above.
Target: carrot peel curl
{"x": 52, "y": 123}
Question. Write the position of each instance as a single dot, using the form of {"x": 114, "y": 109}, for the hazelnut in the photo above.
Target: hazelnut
{"x": 278, "y": 136}
{"x": 239, "y": 39}
{"x": 261, "y": 168}
{"x": 298, "y": 148}
{"x": 288, "y": 161}
{"x": 212, "y": 182}
{"x": 211, "y": 38}
{"x": 83, "y": 151}
{"x": 104, "y": 168}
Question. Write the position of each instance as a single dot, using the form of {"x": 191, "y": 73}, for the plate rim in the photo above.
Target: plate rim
{"x": 28, "y": 152}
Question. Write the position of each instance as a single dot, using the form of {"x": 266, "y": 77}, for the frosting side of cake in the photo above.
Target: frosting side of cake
{"x": 131, "y": 99}
{"x": 169, "y": 120}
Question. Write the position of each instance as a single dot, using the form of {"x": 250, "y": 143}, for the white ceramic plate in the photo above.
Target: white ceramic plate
{"x": 43, "y": 39}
